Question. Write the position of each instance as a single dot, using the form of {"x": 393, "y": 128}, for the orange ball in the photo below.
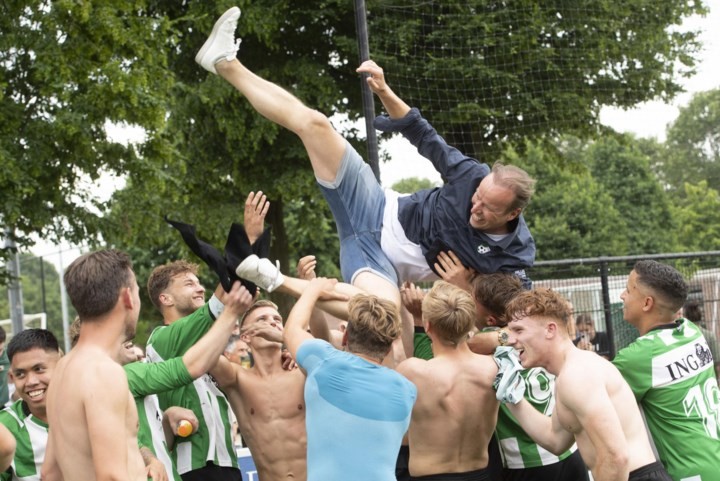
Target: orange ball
{"x": 184, "y": 428}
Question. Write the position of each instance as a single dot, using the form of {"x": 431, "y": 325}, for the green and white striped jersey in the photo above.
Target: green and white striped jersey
{"x": 145, "y": 380}
{"x": 213, "y": 440}
{"x": 31, "y": 435}
{"x": 670, "y": 370}
{"x": 518, "y": 449}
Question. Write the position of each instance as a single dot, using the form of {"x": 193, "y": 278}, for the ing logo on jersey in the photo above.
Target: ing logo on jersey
{"x": 483, "y": 249}
{"x": 704, "y": 355}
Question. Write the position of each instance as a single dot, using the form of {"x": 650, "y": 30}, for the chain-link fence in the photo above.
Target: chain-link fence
{"x": 594, "y": 286}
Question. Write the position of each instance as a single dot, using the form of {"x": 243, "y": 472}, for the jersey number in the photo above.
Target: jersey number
{"x": 705, "y": 402}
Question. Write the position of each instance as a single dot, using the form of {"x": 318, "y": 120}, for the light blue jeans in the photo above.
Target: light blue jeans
{"x": 357, "y": 202}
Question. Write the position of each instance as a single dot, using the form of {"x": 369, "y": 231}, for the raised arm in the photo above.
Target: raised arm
{"x": 256, "y": 208}
{"x": 544, "y": 430}
{"x": 411, "y": 314}
{"x": 394, "y": 105}
{"x": 201, "y": 357}
{"x": 452, "y": 164}
{"x": 319, "y": 319}
{"x": 295, "y": 332}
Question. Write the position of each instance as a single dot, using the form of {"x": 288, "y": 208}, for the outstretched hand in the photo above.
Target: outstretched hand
{"x": 375, "y": 76}
{"x": 306, "y": 267}
{"x": 450, "y": 269}
{"x": 256, "y": 208}
{"x": 238, "y": 300}
{"x": 412, "y": 297}
{"x": 325, "y": 289}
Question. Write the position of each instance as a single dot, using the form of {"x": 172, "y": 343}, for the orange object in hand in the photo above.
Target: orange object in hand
{"x": 184, "y": 428}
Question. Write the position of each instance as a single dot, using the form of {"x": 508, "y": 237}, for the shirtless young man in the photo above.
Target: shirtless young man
{"x": 267, "y": 399}
{"x": 593, "y": 404}
{"x": 89, "y": 406}
{"x": 456, "y": 410}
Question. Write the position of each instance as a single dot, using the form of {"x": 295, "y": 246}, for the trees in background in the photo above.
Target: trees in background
{"x": 41, "y": 293}
{"x": 488, "y": 73}
{"x": 68, "y": 68}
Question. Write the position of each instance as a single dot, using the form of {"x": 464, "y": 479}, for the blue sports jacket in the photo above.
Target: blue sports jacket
{"x": 438, "y": 219}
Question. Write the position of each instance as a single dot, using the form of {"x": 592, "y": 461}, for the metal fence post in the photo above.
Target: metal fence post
{"x": 607, "y": 308}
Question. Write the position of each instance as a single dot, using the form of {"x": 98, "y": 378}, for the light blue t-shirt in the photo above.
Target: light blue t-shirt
{"x": 357, "y": 414}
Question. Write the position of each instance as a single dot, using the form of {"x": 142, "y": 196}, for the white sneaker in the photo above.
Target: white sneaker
{"x": 221, "y": 44}
{"x": 261, "y": 272}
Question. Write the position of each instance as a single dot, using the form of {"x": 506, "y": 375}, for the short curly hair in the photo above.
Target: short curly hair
{"x": 665, "y": 281}
{"x": 161, "y": 276}
{"x": 540, "y": 302}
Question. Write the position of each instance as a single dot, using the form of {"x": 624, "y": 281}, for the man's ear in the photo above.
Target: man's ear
{"x": 165, "y": 299}
{"x": 126, "y": 297}
{"x": 552, "y": 329}
{"x": 648, "y": 304}
{"x": 345, "y": 338}
{"x": 515, "y": 213}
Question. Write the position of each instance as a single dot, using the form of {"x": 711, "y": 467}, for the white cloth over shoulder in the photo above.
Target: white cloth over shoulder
{"x": 509, "y": 384}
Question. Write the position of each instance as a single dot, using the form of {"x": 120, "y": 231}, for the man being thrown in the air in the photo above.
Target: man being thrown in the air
{"x": 385, "y": 238}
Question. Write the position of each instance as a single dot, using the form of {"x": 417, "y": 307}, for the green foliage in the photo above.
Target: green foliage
{"x": 222, "y": 149}
{"x": 693, "y": 144}
{"x": 412, "y": 184}
{"x": 570, "y": 215}
{"x": 40, "y": 284}
{"x": 66, "y": 69}
{"x": 619, "y": 165}
{"x": 698, "y": 212}
{"x": 487, "y": 73}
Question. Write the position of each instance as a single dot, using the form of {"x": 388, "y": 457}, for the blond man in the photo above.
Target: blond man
{"x": 357, "y": 410}
{"x": 456, "y": 410}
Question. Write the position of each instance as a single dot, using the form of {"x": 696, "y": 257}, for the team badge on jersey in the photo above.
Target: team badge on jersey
{"x": 482, "y": 249}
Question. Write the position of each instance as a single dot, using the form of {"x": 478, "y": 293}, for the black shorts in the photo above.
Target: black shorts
{"x": 478, "y": 475}
{"x": 402, "y": 472}
{"x": 650, "y": 472}
{"x": 212, "y": 472}
{"x": 571, "y": 468}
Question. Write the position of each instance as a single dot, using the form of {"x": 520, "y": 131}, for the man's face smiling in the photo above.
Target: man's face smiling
{"x": 186, "y": 293}
{"x": 527, "y": 335}
{"x": 491, "y": 210}
{"x": 31, "y": 371}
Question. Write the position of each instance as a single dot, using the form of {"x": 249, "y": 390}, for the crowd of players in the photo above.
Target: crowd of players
{"x": 477, "y": 379}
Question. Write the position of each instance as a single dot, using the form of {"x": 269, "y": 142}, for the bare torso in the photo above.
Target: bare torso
{"x": 578, "y": 365}
{"x": 455, "y": 413}
{"x": 271, "y": 415}
{"x": 82, "y": 380}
